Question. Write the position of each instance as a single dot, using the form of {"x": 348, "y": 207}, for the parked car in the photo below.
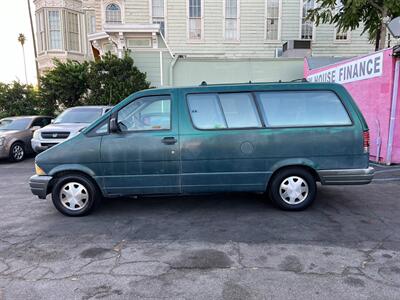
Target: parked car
{"x": 66, "y": 125}
{"x": 16, "y": 134}
{"x": 278, "y": 138}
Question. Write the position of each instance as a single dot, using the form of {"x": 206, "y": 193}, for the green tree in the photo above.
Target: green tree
{"x": 350, "y": 14}
{"x": 65, "y": 85}
{"x": 112, "y": 79}
{"x": 18, "y": 99}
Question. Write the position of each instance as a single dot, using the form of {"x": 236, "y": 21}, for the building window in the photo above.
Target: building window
{"x": 113, "y": 13}
{"x": 91, "y": 22}
{"x": 41, "y": 31}
{"x": 73, "y": 31}
{"x": 55, "y": 41}
{"x": 272, "y": 22}
{"x": 158, "y": 17}
{"x": 231, "y": 20}
{"x": 195, "y": 19}
{"x": 341, "y": 36}
{"x": 307, "y": 26}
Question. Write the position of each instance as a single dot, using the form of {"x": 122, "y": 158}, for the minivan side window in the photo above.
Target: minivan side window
{"x": 205, "y": 111}
{"x": 240, "y": 110}
{"x": 146, "y": 113}
{"x": 225, "y": 110}
{"x": 302, "y": 108}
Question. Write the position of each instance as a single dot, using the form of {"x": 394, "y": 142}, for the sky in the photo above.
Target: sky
{"x": 14, "y": 19}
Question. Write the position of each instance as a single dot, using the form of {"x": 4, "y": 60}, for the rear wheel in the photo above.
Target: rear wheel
{"x": 75, "y": 195}
{"x": 17, "y": 152}
{"x": 293, "y": 189}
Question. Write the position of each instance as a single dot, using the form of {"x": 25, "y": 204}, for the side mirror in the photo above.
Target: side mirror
{"x": 114, "y": 128}
{"x": 52, "y": 121}
{"x": 34, "y": 128}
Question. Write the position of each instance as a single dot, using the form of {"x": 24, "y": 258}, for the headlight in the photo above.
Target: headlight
{"x": 36, "y": 134}
{"x": 39, "y": 170}
{"x": 2, "y": 141}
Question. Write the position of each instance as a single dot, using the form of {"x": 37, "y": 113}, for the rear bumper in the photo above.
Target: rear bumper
{"x": 39, "y": 185}
{"x": 346, "y": 176}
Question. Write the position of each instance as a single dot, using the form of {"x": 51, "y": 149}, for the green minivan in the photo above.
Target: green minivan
{"x": 278, "y": 138}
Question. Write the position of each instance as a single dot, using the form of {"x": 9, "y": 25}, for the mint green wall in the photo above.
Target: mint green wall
{"x": 194, "y": 71}
{"x": 188, "y": 72}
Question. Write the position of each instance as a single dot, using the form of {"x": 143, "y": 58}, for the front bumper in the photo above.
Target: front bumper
{"x": 39, "y": 185}
{"x": 346, "y": 176}
{"x": 41, "y": 145}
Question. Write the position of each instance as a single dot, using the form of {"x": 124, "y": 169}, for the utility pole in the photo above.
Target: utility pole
{"x": 34, "y": 42}
{"x": 21, "y": 39}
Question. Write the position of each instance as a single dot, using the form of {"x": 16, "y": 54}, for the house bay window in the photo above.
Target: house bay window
{"x": 73, "y": 31}
{"x": 55, "y": 39}
{"x": 41, "y": 27}
{"x": 158, "y": 17}
{"x": 195, "y": 19}
{"x": 272, "y": 21}
{"x": 231, "y": 20}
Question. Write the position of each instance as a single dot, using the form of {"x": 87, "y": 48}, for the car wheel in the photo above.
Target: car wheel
{"x": 17, "y": 152}
{"x": 293, "y": 189}
{"x": 75, "y": 195}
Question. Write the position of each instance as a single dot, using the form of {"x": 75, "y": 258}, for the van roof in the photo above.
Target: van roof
{"x": 235, "y": 87}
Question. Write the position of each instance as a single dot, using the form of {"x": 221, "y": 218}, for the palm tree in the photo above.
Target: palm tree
{"x": 22, "y": 39}
{"x": 34, "y": 42}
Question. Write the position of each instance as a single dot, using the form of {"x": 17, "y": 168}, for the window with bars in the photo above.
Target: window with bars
{"x": 73, "y": 31}
{"x": 55, "y": 40}
{"x": 41, "y": 31}
{"x": 341, "y": 35}
{"x": 113, "y": 14}
{"x": 157, "y": 11}
{"x": 307, "y": 26}
{"x": 272, "y": 20}
{"x": 231, "y": 20}
{"x": 195, "y": 19}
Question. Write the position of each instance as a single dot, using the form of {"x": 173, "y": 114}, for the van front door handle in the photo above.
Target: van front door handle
{"x": 169, "y": 140}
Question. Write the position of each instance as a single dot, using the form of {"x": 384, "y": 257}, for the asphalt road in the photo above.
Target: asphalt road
{"x": 231, "y": 246}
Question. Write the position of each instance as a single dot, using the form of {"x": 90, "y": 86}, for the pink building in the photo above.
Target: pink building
{"x": 373, "y": 81}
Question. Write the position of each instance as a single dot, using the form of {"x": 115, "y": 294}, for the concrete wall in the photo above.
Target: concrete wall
{"x": 194, "y": 71}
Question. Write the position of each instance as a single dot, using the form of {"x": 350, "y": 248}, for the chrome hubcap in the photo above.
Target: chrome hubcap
{"x": 74, "y": 196}
{"x": 293, "y": 190}
{"x": 18, "y": 152}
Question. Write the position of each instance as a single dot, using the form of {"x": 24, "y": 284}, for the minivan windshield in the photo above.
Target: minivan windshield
{"x": 79, "y": 115}
{"x": 14, "y": 124}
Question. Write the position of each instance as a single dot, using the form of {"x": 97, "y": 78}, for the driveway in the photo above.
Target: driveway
{"x": 230, "y": 246}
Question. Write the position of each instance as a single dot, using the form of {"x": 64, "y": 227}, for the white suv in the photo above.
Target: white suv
{"x": 66, "y": 125}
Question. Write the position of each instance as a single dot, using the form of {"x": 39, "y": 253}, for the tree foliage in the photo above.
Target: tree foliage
{"x": 351, "y": 14}
{"x": 71, "y": 83}
{"x": 65, "y": 85}
{"x": 112, "y": 79}
{"x": 18, "y": 99}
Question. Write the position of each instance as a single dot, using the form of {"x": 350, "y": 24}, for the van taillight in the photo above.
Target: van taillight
{"x": 366, "y": 141}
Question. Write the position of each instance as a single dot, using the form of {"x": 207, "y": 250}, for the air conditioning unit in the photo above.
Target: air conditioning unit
{"x": 296, "y": 48}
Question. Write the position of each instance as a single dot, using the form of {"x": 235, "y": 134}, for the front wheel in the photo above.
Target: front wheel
{"x": 75, "y": 195}
{"x": 293, "y": 189}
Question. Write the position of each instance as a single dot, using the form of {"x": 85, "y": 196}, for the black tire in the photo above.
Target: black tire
{"x": 282, "y": 177}
{"x": 92, "y": 192}
{"x": 17, "y": 152}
